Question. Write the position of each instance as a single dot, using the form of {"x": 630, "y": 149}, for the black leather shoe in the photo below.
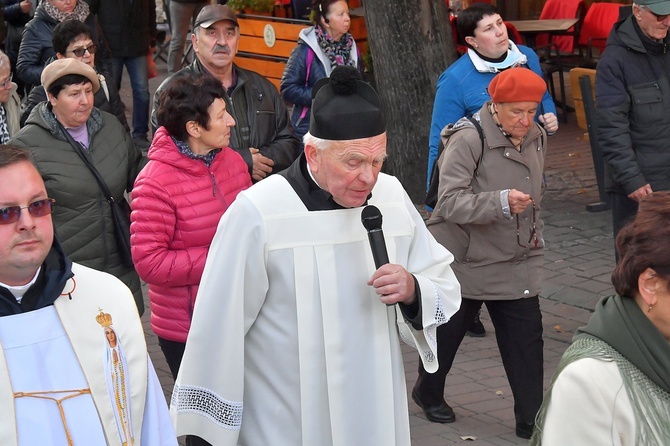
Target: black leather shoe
{"x": 476, "y": 328}
{"x": 525, "y": 430}
{"x": 441, "y": 413}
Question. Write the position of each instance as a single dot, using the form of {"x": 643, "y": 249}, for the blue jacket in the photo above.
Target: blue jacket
{"x": 293, "y": 88}
{"x": 462, "y": 90}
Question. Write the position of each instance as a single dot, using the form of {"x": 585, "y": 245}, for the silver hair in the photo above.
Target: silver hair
{"x": 4, "y": 59}
{"x": 317, "y": 143}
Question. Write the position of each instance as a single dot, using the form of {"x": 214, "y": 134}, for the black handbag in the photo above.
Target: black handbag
{"x": 120, "y": 210}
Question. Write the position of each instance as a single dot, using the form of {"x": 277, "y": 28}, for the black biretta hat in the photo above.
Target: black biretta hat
{"x": 344, "y": 107}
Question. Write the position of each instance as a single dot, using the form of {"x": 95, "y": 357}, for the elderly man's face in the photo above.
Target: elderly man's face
{"x": 516, "y": 117}
{"x": 25, "y": 243}
{"x": 216, "y": 46}
{"x": 649, "y": 23}
{"x": 349, "y": 169}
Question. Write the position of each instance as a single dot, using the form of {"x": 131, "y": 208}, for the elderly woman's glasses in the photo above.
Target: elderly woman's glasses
{"x": 533, "y": 231}
{"x": 79, "y": 52}
{"x": 7, "y": 82}
{"x": 659, "y": 17}
{"x": 39, "y": 208}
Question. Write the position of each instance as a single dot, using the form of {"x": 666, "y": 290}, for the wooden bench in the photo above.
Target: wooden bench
{"x": 266, "y": 42}
{"x": 575, "y": 74}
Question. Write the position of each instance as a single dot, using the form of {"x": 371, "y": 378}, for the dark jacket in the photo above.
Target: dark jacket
{"x": 82, "y": 215}
{"x": 16, "y": 21}
{"x": 633, "y": 109}
{"x": 128, "y": 26}
{"x": 268, "y": 118}
{"x": 293, "y": 88}
{"x": 36, "y": 48}
{"x": 111, "y": 105}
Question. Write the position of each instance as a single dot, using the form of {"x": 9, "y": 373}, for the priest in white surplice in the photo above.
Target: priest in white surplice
{"x": 295, "y": 335}
{"x": 74, "y": 368}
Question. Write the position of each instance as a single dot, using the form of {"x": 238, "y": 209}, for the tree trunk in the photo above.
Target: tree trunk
{"x": 411, "y": 44}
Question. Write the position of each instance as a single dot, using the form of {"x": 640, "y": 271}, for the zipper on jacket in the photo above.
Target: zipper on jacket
{"x": 213, "y": 184}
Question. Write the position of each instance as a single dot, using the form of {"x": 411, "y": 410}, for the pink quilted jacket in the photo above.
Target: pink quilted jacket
{"x": 177, "y": 203}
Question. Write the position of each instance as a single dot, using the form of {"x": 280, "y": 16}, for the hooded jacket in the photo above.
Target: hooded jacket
{"x": 469, "y": 218}
{"x": 82, "y": 216}
{"x": 633, "y": 109}
{"x": 177, "y": 204}
{"x": 293, "y": 88}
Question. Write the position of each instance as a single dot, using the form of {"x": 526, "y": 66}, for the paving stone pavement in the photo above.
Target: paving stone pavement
{"x": 578, "y": 262}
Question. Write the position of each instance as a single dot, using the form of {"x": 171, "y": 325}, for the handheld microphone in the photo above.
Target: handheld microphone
{"x": 371, "y": 218}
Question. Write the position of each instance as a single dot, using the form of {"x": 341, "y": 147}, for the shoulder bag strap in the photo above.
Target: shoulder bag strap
{"x": 85, "y": 158}
{"x": 310, "y": 58}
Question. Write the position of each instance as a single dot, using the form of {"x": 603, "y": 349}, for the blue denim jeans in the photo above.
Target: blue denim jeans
{"x": 138, "y": 70}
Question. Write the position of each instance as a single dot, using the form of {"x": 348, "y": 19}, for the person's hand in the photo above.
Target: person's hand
{"x": 393, "y": 284}
{"x": 262, "y": 165}
{"x": 518, "y": 201}
{"x": 549, "y": 121}
{"x": 641, "y": 193}
{"x": 25, "y": 6}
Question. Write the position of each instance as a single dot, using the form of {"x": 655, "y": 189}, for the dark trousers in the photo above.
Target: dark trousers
{"x": 518, "y": 329}
{"x": 174, "y": 352}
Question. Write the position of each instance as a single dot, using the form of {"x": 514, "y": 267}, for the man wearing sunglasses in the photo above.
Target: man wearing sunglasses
{"x": 632, "y": 97}
{"x": 72, "y": 39}
{"x": 54, "y": 316}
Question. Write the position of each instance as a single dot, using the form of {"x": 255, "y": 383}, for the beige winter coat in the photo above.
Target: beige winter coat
{"x": 469, "y": 219}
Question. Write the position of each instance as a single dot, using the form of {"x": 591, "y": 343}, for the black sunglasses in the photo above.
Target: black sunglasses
{"x": 39, "y": 208}
{"x": 79, "y": 52}
{"x": 659, "y": 17}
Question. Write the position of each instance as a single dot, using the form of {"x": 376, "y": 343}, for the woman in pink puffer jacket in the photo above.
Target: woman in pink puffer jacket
{"x": 191, "y": 179}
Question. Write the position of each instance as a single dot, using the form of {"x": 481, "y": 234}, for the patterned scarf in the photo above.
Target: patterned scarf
{"x": 185, "y": 150}
{"x": 80, "y": 12}
{"x": 339, "y": 52}
{"x": 4, "y": 132}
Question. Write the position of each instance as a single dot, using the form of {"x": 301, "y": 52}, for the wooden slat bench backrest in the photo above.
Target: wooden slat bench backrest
{"x": 270, "y": 61}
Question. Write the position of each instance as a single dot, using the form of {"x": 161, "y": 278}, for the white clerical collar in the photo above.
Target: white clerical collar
{"x": 19, "y": 291}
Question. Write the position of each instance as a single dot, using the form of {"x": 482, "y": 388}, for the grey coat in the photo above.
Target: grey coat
{"x": 469, "y": 219}
{"x": 82, "y": 216}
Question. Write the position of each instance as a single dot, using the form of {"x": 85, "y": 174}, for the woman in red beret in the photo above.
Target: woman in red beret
{"x": 488, "y": 215}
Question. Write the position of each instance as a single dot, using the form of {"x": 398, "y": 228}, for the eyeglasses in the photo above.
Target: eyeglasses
{"x": 39, "y": 208}
{"x": 533, "y": 231}
{"x": 659, "y": 18}
{"x": 79, "y": 52}
{"x": 7, "y": 82}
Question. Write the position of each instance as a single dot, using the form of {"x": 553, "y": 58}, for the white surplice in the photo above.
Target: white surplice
{"x": 289, "y": 345}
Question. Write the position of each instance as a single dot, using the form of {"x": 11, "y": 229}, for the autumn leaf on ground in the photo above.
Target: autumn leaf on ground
{"x": 558, "y": 328}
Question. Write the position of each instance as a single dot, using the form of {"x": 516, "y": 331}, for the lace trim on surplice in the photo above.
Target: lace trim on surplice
{"x": 193, "y": 399}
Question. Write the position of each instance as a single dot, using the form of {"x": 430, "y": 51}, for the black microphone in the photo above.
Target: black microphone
{"x": 371, "y": 218}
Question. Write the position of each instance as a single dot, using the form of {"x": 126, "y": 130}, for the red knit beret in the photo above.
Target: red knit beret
{"x": 517, "y": 85}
